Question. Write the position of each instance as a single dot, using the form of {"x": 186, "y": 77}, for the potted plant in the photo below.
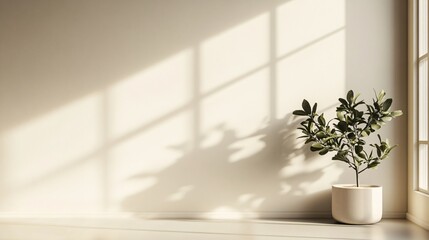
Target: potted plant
{"x": 345, "y": 136}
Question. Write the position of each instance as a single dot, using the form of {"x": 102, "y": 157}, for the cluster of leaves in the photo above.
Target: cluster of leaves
{"x": 345, "y": 134}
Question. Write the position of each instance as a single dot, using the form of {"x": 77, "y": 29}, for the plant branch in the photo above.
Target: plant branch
{"x": 363, "y": 169}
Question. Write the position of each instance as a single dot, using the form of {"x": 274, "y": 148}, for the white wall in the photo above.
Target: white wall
{"x": 183, "y": 108}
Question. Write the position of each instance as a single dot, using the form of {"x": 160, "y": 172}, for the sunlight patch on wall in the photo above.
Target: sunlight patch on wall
{"x": 224, "y": 212}
{"x": 44, "y": 145}
{"x": 302, "y": 22}
{"x": 311, "y": 46}
{"x": 180, "y": 193}
{"x": 150, "y": 94}
{"x": 251, "y": 200}
{"x": 234, "y": 52}
{"x": 147, "y": 153}
{"x": 73, "y": 190}
{"x": 241, "y": 107}
{"x": 316, "y": 73}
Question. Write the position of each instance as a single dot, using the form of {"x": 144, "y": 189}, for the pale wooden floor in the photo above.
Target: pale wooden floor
{"x": 97, "y": 229}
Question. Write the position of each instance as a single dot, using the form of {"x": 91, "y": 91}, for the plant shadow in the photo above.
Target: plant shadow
{"x": 223, "y": 178}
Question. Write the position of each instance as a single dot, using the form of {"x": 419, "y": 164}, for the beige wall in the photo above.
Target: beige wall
{"x": 183, "y": 108}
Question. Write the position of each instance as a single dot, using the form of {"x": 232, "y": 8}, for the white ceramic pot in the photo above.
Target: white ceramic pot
{"x": 357, "y": 205}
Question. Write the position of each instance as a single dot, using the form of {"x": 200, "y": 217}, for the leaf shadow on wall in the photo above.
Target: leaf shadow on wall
{"x": 212, "y": 178}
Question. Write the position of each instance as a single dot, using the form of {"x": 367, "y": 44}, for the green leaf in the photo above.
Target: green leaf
{"x": 383, "y": 147}
{"x": 377, "y": 106}
{"x": 351, "y": 136}
{"x": 350, "y": 96}
{"x": 349, "y": 120}
{"x": 343, "y": 101}
{"x": 316, "y": 147}
{"x": 387, "y": 104}
{"x": 340, "y": 115}
{"x": 306, "y": 106}
{"x": 321, "y": 120}
{"x": 321, "y": 134}
{"x": 341, "y": 156}
{"x": 314, "y": 108}
{"x": 299, "y": 113}
{"x": 358, "y": 149}
{"x": 324, "y": 151}
{"x": 310, "y": 125}
{"x": 396, "y": 113}
{"x": 361, "y": 155}
{"x": 387, "y": 151}
{"x": 359, "y": 114}
{"x": 386, "y": 119}
{"x": 381, "y": 95}
{"x": 365, "y": 133}
{"x": 375, "y": 126}
{"x": 373, "y": 164}
{"x": 341, "y": 108}
{"x": 342, "y": 126}
{"x": 356, "y": 97}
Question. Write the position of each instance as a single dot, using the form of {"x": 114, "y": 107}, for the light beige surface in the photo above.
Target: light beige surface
{"x": 87, "y": 229}
{"x": 184, "y": 107}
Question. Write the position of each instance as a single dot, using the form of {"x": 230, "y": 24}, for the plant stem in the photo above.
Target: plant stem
{"x": 357, "y": 177}
{"x": 356, "y": 168}
{"x": 363, "y": 169}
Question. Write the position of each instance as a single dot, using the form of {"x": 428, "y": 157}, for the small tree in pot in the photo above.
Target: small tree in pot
{"x": 345, "y": 134}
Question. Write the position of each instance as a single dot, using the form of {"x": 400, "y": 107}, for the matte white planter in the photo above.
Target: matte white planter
{"x": 357, "y": 205}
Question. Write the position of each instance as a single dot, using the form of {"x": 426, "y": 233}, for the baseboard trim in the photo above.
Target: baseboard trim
{"x": 191, "y": 215}
{"x": 235, "y": 215}
{"x": 422, "y": 223}
{"x": 394, "y": 215}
